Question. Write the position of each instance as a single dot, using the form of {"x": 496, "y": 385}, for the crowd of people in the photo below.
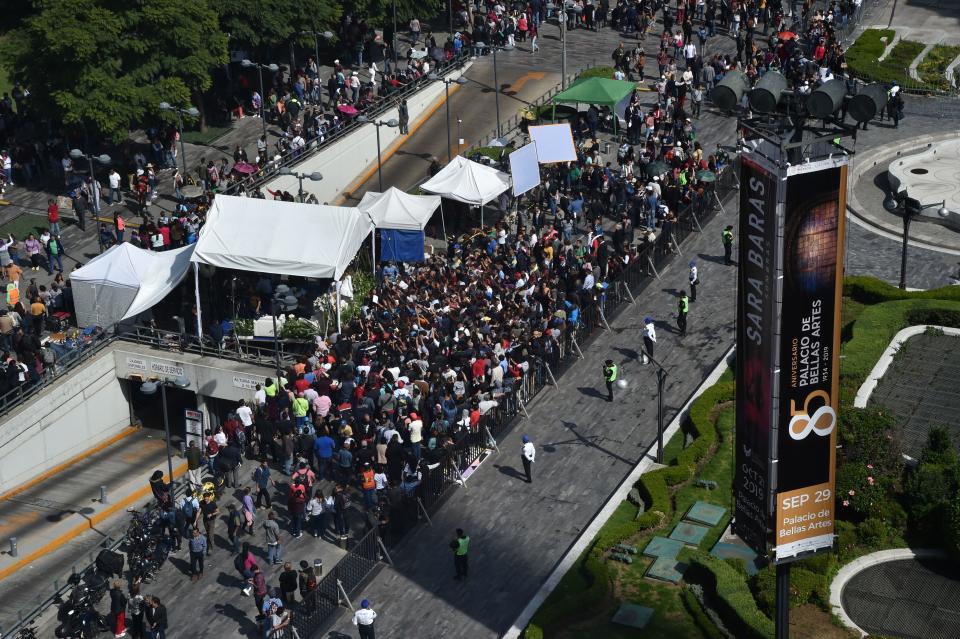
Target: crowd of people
{"x": 346, "y": 436}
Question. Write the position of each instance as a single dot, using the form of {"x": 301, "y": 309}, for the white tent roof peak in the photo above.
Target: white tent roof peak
{"x": 396, "y": 209}
{"x": 468, "y": 181}
{"x": 288, "y": 238}
{"x": 125, "y": 281}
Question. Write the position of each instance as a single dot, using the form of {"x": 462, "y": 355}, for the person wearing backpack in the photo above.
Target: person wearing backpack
{"x": 190, "y": 509}
{"x": 118, "y": 609}
{"x": 261, "y": 476}
{"x": 244, "y": 563}
{"x": 307, "y": 583}
{"x": 213, "y": 449}
{"x": 234, "y": 526}
{"x": 296, "y": 504}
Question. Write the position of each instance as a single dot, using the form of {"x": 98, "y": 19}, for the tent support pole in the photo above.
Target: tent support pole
{"x": 443, "y": 222}
{"x": 338, "y": 307}
{"x": 196, "y": 292}
{"x": 373, "y": 253}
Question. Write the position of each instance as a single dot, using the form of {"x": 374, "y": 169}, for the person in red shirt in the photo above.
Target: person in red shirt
{"x": 301, "y": 384}
{"x": 53, "y": 216}
{"x": 478, "y": 369}
{"x": 165, "y": 233}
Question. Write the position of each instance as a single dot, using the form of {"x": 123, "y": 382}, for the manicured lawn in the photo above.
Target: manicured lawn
{"x": 903, "y": 54}
{"x": 207, "y": 137}
{"x": 933, "y": 65}
{"x": 21, "y": 226}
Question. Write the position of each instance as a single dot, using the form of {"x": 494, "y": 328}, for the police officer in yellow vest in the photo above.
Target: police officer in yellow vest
{"x": 609, "y": 377}
{"x": 683, "y": 307}
{"x": 727, "y": 245}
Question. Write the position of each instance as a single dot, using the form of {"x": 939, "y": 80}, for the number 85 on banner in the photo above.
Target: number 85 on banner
{"x": 822, "y": 421}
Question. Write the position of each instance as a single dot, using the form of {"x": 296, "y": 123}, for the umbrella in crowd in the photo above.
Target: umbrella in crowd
{"x": 706, "y": 176}
{"x": 244, "y": 168}
{"x": 786, "y": 35}
{"x": 657, "y": 168}
{"x": 347, "y": 110}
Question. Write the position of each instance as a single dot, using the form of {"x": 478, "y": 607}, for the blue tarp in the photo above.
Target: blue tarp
{"x": 401, "y": 246}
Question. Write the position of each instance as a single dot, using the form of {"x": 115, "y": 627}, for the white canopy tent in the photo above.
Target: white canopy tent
{"x": 287, "y": 238}
{"x": 397, "y": 210}
{"x": 124, "y": 282}
{"x": 468, "y": 181}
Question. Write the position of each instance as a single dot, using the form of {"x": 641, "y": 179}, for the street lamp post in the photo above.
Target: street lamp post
{"x": 392, "y": 123}
{"x": 908, "y": 208}
{"x": 150, "y": 388}
{"x": 77, "y": 154}
{"x": 496, "y": 81}
{"x": 193, "y": 112}
{"x": 446, "y": 90}
{"x": 260, "y": 67}
{"x": 327, "y": 35}
{"x": 563, "y": 44}
{"x": 315, "y": 177}
{"x": 393, "y": 39}
{"x": 661, "y": 379}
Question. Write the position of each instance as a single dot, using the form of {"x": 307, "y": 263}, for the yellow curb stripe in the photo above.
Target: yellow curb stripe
{"x": 126, "y": 432}
{"x": 393, "y": 148}
{"x": 76, "y": 531}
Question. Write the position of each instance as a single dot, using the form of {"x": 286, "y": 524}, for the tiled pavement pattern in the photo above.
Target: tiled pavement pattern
{"x": 920, "y": 388}
{"x": 912, "y": 599}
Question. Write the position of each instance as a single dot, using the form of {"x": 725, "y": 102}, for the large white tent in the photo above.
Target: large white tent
{"x": 287, "y": 238}
{"x": 468, "y": 181}
{"x": 395, "y": 209}
{"x": 124, "y": 282}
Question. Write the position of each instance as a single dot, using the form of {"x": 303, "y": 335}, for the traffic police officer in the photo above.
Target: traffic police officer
{"x": 363, "y": 619}
{"x": 609, "y": 377}
{"x": 727, "y": 245}
{"x": 683, "y": 307}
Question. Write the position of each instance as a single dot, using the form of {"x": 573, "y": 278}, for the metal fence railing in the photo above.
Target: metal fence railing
{"x": 59, "y": 587}
{"x": 336, "y": 587}
{"x": 69, "y": 358}
{"x": 381, "y": 104}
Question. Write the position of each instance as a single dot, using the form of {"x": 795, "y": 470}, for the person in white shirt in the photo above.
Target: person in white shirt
{"x": 415, "y": 428}
{"x": 114, "y": 181}
{"x": 363, "y": 619}
{"x": 260, "y": 397}
{"x": 649, "y": 337}
{"x": 245, "y": 414}
{"x": 694, "y": 280}
{"x": 527, "y": 455}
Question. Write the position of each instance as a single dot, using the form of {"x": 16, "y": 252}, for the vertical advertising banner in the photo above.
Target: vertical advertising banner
{"x": 756, "y": 302}
{"x": 809, "y": 365}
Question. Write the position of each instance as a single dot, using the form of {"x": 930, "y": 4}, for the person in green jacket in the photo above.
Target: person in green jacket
{"x": 728, "y": 245}
{"x": 609, "y": 377}
{"x": 683, "y": 307}
{"x": 460, "y": 545}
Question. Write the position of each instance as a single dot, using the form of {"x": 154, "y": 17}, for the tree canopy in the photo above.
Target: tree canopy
{"x": 106, "y": 64}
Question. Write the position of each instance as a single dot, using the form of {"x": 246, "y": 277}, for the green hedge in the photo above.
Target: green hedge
{"x": 597, "y": 72}
{"x": 699, "y": 615}
{"x": 870, "y": 290}
{"x": 729, "y": 595}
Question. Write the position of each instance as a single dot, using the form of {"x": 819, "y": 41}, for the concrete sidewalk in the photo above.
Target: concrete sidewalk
{"x": 60, "y": 522}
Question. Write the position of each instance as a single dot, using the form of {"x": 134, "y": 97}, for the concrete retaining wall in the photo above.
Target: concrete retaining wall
{"x": 77, "y": 413}
{"x": 342, "y": 163}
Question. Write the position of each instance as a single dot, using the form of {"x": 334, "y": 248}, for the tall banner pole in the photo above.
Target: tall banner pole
{"x": 196, "y": 292}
